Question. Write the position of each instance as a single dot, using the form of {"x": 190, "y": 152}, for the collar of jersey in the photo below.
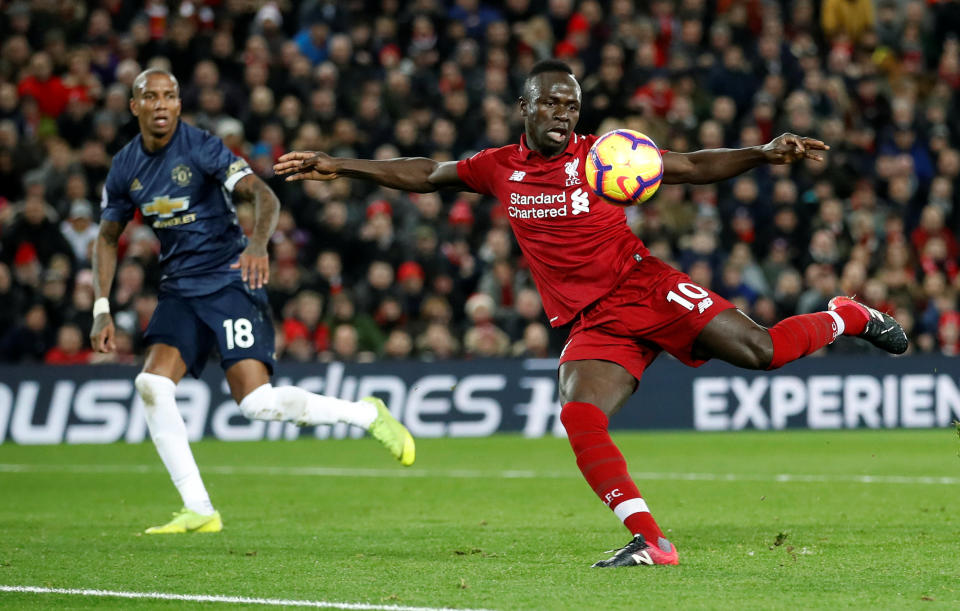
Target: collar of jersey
{"x": 526, "y": 152}
{"x": 160, "y": 150}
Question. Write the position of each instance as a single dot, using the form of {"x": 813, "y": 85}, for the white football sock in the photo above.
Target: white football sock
{"x": 304, "y": 408}
{"x": 841, "y": 326}
{"x": 169, "y": 435}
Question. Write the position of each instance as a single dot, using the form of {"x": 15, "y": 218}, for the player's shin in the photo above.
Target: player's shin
{"x": 605, "y": 469}
{"x": 304, "y": 408}
{"x": 804, "y": 334}
{"x": 169, "y": 434}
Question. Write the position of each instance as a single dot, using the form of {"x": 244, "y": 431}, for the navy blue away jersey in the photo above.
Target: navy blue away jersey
{"x": 183, "y": 192}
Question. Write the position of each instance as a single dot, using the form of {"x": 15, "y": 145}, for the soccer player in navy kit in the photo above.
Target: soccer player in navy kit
{"x": 184, "y": 181}
{"x": 626, "y": 305}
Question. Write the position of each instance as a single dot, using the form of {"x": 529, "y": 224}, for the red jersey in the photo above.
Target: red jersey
{"x": 577, "y": 245}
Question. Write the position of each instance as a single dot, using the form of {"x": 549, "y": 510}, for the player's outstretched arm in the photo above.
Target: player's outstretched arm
{"x": 416, "y": 174}
{"x": 714, "y": 165}
{"x": 104, "y": 268}
{"x": 254, "y": 263}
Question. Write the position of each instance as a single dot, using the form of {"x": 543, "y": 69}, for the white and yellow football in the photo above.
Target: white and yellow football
{"x": 624, "y": 167}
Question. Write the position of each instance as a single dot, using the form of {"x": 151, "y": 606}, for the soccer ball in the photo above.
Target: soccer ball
{"x": 624, "y": 167}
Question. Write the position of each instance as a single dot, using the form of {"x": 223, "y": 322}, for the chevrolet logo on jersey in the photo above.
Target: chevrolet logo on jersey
{"x": 165, "y": 206}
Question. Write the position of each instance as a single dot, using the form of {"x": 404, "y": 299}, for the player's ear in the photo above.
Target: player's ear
{"x": 523, "y": 106}
{"x": 134, "y": 107}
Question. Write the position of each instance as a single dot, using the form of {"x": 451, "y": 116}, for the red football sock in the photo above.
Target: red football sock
{"x": 804, "y": 334}
{"x": 604, "y": 468}
{"x": 854, "y": 319}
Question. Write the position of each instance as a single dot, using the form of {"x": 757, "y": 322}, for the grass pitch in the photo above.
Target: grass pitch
{"x": 856, "y": 519}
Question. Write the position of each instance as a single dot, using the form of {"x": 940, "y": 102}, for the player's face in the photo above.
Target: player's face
{"x": 550, "y": 109}
{"x": 157, "y": 106}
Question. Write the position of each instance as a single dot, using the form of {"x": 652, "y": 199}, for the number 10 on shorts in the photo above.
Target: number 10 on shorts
{"x": 693, "y": 292}
{"x": 239, "y": 333}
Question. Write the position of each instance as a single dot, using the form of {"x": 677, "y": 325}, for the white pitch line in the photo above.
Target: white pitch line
{"x": 480, "y": 474}
{"x": 215, "y": 598}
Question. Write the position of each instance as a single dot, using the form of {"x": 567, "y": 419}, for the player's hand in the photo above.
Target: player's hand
{"x": 102, "y": 333}
{"x": 788, "y": 148}
{"x": 306, "y": 165}
{"x": 254, "y": 266}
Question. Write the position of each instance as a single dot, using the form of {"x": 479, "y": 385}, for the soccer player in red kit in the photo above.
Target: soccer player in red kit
{"x": 626, "y": 306}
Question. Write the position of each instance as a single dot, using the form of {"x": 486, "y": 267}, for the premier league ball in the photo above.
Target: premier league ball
{"x": 624, "y": 167}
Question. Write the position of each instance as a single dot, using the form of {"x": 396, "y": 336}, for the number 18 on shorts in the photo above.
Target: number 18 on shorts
{"x": 234, "y": 319}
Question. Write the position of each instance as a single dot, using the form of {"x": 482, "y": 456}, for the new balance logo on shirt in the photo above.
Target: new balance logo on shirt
{"x": 517, "y": 176}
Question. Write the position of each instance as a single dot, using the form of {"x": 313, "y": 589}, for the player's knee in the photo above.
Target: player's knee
{"x": 151, "y": 387}
{"x": 759, "y": 349}
{"x": 261, "y": 404}
{"x": 577, "y": 416}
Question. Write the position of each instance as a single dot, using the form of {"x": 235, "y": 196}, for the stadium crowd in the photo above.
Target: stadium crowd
{"x": 362, "y": 273}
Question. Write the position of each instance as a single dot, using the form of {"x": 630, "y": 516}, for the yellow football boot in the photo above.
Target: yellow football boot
{"x": 387, "y": 430}
{"x": 189, "y": 521}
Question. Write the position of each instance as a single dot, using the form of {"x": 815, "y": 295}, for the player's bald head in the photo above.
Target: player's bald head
{"x": 140, "y": 83}
{"x": 548, "y": 68}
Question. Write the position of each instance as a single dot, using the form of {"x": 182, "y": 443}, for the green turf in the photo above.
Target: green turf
{"x": 455, "y": 532}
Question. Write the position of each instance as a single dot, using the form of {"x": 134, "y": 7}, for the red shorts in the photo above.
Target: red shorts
{"x": 655, "y": 307}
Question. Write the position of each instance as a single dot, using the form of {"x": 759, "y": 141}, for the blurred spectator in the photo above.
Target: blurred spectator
{"x": 12, "y": 298}
{"x": 306, "y": 322}
{"x": 343, "y": 311}
{"x": 42, "y": 85}
{"x": 822, "y": 280}
{"x": 850, "y": 19}
{"x": 129, "y": 284}
{"x": 535, "y": 342}
{"x": 932, "y": 226}
{"x": 79, "y": 230}
{"x": 29, "y": 339}
{"x": 379, "y": 283}
{"x": 437, "y": 343}
{"x": 33, "y": 233}
{"x": 345, "y": 346}
{"x": 410, "y": 278}
{"x": 399, "y": 345}
{"x": 69, "y": 349}
{"x": 483, "y": 338}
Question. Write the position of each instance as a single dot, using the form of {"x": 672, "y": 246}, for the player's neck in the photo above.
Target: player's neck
{"x": 546, "y": 152}
{"x": 153, "y": 143}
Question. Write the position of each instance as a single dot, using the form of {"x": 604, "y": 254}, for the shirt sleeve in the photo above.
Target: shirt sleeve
{"x": 216, "y": 160}
{"x": 477, "y": 171}
{"x": 115, "y": 203}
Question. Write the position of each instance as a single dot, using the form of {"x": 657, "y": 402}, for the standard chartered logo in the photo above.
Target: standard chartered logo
{"x": 540, "y": 198}
{"x": 579, "y": 203}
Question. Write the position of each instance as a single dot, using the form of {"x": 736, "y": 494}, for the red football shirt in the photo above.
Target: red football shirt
{"x": 578, "y": 246}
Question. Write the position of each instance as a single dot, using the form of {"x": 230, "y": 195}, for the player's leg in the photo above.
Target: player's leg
{"x": 733, "y": 337}
{"x": 241, "y": 320}
{"x": 249, "y": 381}
{"x": 156, "y": 385}
{"x": 655, "y": 308}
{"x": 179, "y": 342}
{"x": 591, "y": 391}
